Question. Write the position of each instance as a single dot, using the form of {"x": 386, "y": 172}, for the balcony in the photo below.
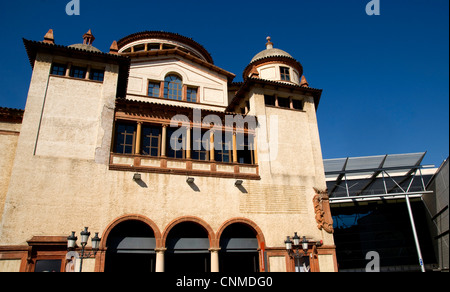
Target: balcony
{"x": 186, "y": 167}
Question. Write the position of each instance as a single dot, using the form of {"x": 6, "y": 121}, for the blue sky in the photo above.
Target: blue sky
{"x": 385, "y": 78}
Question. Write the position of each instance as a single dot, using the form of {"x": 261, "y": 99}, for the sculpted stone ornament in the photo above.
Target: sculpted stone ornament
{"x": 322, "y": 211}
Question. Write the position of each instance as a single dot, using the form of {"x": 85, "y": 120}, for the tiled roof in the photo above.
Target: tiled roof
{"x": 11, "y": 115}
{"x": 165, "y": 35}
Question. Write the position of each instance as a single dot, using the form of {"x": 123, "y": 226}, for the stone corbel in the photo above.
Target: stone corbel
{"x": 322, "y": 210}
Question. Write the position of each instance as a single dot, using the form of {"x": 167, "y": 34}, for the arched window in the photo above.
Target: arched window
{"x": 173, "y": 87}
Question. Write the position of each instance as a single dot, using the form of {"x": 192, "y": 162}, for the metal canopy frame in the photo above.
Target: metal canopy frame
{"x": 384, "y": 176}
{"x": 398, "y": 173}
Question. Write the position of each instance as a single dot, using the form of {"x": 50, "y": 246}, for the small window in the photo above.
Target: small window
{"x": 97, "y": 75}
{"x": 200, "y": 146}
{"x": 283, "y": 102}
{"x": 59, "y": 69}
{"x": 139, "y": 48}
{"x": 153, "y": 47}
{"x": 223, "y": 149}
{"x": 285, "y": 74}
{"x": 269, "y": 100}
{"x": 78, "y": 72}
{"x": 245, "y": 150}
{"x": 191, "y": 94}
{"x": 125, "y": 138}
{"x": 175, "y": 143}
{"x": 298, "y": 104}
{"x": 153, "y": 89}
{"x": 151, "y": 140}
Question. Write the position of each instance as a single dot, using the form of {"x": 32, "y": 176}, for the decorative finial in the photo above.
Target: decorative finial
{"x": 88, "y": 38}
{"x": 114, "y": 48}
{"x": 48, "y": 38}
{"x": 269, "y": 44}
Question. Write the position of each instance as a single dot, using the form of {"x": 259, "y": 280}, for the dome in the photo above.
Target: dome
{"x": 85, "y": 47}
{"x": 88, "y": 39}
{"x": 270, "y": 52}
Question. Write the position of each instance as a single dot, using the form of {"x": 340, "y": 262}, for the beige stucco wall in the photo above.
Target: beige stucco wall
{"x": 9, "y": 136}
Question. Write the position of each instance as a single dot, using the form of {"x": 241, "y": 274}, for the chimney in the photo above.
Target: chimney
{"x": 48, "y": 38}
{"x": 88, "y": 38}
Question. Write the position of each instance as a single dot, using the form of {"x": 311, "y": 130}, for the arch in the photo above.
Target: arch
{"x": 211, "y": 235}
{"x": 125, "y": 218}
{"x": 245, "y": 221}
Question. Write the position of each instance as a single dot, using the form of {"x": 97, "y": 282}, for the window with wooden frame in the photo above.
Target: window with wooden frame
{"x": 285, "y": 74}
{"x": 245, "y": 148}
{"x": 269, "y": 100}
{"x": 125, "y": 138}
{"x": 154, "y": 88}
{"x": 284, "y": 102}
{"x": 175, "y": 143}
{"x": 59, "y": 69}
{"x": 297, "y": 104}
{"x": 78, "y": 72}
{"x": 173, "y": 87}
{"x": 224, "y": 149}
{"x": 200, "y": 146}
{"x": 192, "y": 94}
{"x": 97, "y": 75}
{"x": 151, "y": 140}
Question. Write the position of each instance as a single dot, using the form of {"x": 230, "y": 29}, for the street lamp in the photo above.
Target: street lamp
{"x": 293, "y": 247}
{"x": 85, "y": 234}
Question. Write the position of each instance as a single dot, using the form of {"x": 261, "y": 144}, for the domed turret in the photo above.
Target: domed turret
{"x": 275, "y": 65}
{"x": 88, "y": 39}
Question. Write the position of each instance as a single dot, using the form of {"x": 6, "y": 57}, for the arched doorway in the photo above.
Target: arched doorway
{"x": 131, "y": 248}
{"x": 239, "y": 249}
{"x": 187, "y": 249}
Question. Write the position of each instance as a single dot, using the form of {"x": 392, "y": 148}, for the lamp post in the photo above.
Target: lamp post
{"x": 85, "y": 234}
{"x": 297, "y": 248}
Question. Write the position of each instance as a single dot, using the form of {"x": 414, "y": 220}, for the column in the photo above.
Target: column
{"x": 188, "y": 142}
{"x": 255, "y": 148}
{"x": 138, "y": 138}
{"x": 211, "y": 147}
{"x": 214, "y": 260}
{"x": 160, "y": 259}
{"x": 164, "y": 141}
{"x": 235, "y": 157}
{"x": 69, "y": 67}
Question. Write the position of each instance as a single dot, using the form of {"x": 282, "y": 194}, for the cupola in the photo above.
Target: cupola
{"x": 275, "y": 65}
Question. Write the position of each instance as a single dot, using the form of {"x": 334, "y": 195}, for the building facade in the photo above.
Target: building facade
{"x": 177, "y": 167}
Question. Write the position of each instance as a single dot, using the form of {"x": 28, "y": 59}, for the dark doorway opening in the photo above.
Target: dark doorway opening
{"x": 188, "y": 249}
{"x": 239, "y": 250}
{"x": 131, "y": 248}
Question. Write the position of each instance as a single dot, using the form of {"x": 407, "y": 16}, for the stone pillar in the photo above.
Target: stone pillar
{"x": 214, "y": 260}
{"x": 188, "y": 142}
{"x": 235, "y": 157}
{"x": 160, "y": 259}
{"x": 164, "y": 141}
{"x": 211, "y": 147}
{"x": 138, "y": 138}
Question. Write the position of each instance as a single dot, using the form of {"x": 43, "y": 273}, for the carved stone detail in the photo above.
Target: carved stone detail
{"x": 322, "y": 210}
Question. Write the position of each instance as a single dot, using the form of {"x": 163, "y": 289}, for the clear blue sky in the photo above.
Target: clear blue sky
{"x": 385, "y": 78}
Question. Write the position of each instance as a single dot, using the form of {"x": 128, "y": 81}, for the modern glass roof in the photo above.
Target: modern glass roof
{"x": 363, "y": 164}
{"x": 374, "y": 175}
